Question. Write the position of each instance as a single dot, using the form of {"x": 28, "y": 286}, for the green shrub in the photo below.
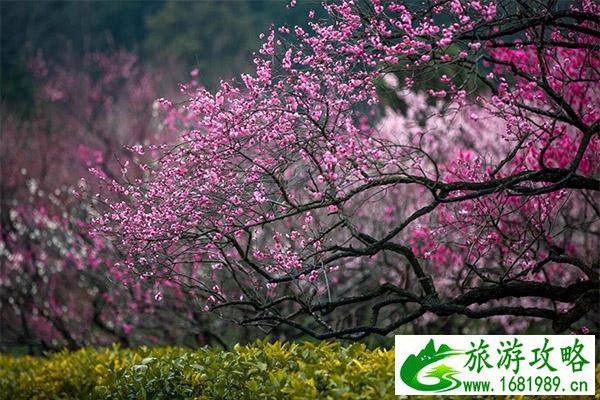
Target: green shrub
{"x": 260, "y": 371}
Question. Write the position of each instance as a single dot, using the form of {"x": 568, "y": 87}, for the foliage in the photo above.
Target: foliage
{"x": 193, "y": 32}
{"x": 267, "y": 370}
{"x": 263, "y": 371}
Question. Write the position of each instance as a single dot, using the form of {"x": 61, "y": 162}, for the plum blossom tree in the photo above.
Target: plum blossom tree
{"x": 291, "y": 202}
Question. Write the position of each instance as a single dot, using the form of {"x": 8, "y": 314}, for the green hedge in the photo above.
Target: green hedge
{"x": 259, "y": 371}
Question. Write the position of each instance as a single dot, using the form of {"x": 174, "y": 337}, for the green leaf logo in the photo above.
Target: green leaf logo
{"x": 413, "y": 365}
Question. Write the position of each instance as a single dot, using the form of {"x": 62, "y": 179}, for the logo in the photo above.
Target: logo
{"x": 495, "y": 364}
{"x": 429, "y": 355}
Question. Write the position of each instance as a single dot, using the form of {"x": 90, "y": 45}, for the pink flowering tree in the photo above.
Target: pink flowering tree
{"x": 290, "y": 201}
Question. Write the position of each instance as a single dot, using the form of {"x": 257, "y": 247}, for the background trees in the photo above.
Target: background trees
{"x": 291, "y": 199}
{"x": 187, "y": 33}
{"x": 59, "y": 286}
{"x": 74, "y": 93}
